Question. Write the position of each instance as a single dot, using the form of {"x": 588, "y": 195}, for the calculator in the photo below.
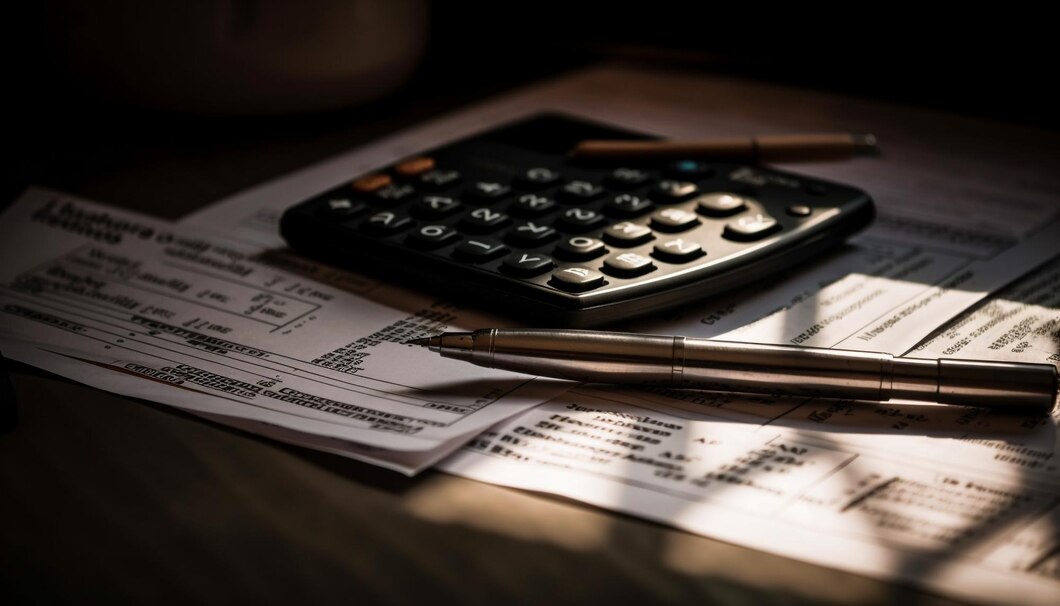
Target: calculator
{"x": 507, "y": 221}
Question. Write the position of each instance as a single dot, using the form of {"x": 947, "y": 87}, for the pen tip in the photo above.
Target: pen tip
{"x": 422, "y": 342}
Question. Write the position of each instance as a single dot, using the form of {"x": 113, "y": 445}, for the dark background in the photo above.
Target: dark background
{"x": 69, "y": 134}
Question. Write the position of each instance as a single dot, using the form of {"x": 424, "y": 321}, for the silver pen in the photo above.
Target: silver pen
{"x": 682, "y": 362}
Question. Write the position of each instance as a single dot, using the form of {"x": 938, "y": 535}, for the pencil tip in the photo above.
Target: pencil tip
{"x": 866, "y": 143}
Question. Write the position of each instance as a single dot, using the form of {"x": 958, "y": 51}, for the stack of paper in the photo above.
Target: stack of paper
{"x": 212, "y": 315}
{"x": 266, "y": 342}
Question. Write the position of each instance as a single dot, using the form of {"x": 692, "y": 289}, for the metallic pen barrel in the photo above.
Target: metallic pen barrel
{"x": 607, "y": 357}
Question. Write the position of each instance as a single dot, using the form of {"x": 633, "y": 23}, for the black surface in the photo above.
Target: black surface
{"x": 8, "y": 405}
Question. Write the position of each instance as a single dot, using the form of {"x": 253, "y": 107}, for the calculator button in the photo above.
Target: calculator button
{"x": 527, "y": 264}
{"x": 482, "y": 220}
{"x": 435, "y": 207}
{"x": 674, "y": 220}
{"x": 720, "y": 204}
{"x": 751, "y": 227}
{"x": 669, "y": 191}
{"x": 530, "y": 234}
{"x": 627, "y": 205}
{"x": 799, "y": 210}
{"x": 577, "y": 279}
{"x": 414, "y": 166}
{"x": 385, "y": 222}
{"x": 537, "y": 178}
{"x": 479, "y": 250}
{"x": 628, "y": 265}
{"x": 369, "y": 183}
{"x": 532, "y": 205}
{"x": 488, "y": 191}
{"x": 689, "y": 169}
{"x": 579, "y": 220}
{"x": 678, "y": 250}
{"x": 340, "y": 208}
{"x": 432, "y": 236}
{"x": 627, "y": 234}
{"x": 627, "y": 178}
{"x": 580, "y": 191}
{"x": 438, "y": 179}
{"x": 580, "y": 248}
{"x": 394, "y": 193}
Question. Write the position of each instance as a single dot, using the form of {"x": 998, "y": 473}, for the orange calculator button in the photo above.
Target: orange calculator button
{"x": 370, "y": 183}
{"x": 414, "y": 166}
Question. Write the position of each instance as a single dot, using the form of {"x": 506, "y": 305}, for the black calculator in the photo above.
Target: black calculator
{"x": 508, "y": 221}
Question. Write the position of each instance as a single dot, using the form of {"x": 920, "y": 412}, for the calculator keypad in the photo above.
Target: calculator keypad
{"x": 484, "y": 220}
{"x": 414, "y": 166}
{"x": 651, "y": 218}
{"x": 340, "y": 208}
{"x": 538, "y": 177}
{"x": 580, "y": 248}
{"x": 628, "y": 265}
{"x": 394, "y": 193}
{"x": 531, "y": 234}
{"x": 532, "y": 205}
{"x": 439, "y": 180}
{"x": 627, "y": 234}
{"x": 627, "y": 206}
{"x": 678, "y": 250}
{"x": 674, "y": 220}
{"x": 435, "y": 207}
{"x": 655, "y": 220}
{"x": 577, "y": 279}
{"x": 720, "y": 204}
{"x": 546, "y": 227}
{"x": 751, "y": 227}
{"x": 579, "y": 220}
{"x": 432, "y": 236}
{"x": 488, "y": 191}
{"x": 527, "y": 264}
{"x": 385, "y": 223}
{"x": 577, "y": 192}
{"x": 479, "y": 250}
{"x": 627, "y": 178}
{"x": 669, "y": 191}
{"x": 370, "y": 183}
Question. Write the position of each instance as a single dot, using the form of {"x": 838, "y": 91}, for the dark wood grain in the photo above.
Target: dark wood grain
{"x": 109, "y": 499}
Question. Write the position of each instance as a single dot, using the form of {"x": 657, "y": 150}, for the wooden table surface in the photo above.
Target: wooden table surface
{"x": 106, "y": 499}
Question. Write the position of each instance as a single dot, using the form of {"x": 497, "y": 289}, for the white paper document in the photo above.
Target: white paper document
{"x": 1020, "y": 324}
{"x": 192, "y": 313}
{"x": 224, "y": 411}
{"x": 974, "y": 517}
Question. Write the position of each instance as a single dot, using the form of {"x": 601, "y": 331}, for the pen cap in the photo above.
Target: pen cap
{"x": 997, "y": 384}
